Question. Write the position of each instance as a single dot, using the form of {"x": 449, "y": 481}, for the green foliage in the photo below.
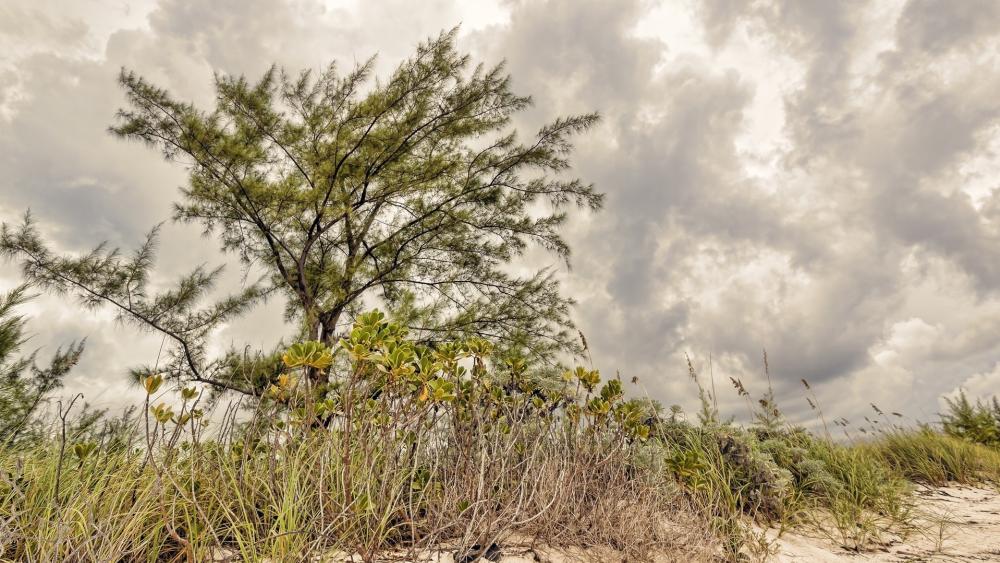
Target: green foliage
{"x": 152, "y": 383}
{"x": 588, "y": 378}
{"x": 788, "y": 477}
{"x": 105, "y": 276}
{"x": 708, "y": 413}
{"x": 24, "y": 386}
{"x": 83, "y": 449}
{"x": 162, "y": 413}
{"x": 778, "y": 473}
{"x": 409, "y": 445}
{"x": 309, "y": 354}
{"x": 979, "y": 423}
{"x": 768, "y": 416}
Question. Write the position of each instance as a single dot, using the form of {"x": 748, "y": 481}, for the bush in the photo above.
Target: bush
{"x": 785, "y": 477}
{"x": 979, "y": 423}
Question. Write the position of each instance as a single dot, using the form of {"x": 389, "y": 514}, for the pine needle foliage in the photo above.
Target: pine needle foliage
{"x": 24, "y": 385}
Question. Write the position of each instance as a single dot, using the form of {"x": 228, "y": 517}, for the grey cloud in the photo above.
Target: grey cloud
{"x": 655, "y": 168}
{"x": 896, "y": 148}
{"x": 243, "y": 37}
{"x": 673, "y": 182}
{"x": 720, "y": 18}
{"x": 58, "y": 160}
{"x": 575, "y": 55}
{"x": 24, "y": 23}
{"x": 947, "y": 225}
{"x": 938, "y": 26}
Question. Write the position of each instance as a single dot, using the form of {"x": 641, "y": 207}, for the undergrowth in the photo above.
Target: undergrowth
{"x": 410, "y": 449}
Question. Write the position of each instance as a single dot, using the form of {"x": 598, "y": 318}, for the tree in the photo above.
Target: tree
{"x": 413, "y": 193}
{"x": 24, "y": 386}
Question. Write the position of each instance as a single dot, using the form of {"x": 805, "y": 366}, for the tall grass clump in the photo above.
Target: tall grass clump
{"x": 965, "y": 450}
{"x": 859, "y": 493}
{"x": 930, "y": 457}
{"x": 407, "y": 449}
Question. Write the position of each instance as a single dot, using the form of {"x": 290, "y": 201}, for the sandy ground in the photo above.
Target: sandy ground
{"x": 523, "y": 554}
{"x": 960, "y": 524}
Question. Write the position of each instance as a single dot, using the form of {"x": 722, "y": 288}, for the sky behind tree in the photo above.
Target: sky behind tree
{"x": 817, "y": 179}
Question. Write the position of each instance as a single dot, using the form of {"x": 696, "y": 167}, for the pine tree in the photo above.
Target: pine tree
{"x": 412, "y": 193}
{"x": 24, "y": 386}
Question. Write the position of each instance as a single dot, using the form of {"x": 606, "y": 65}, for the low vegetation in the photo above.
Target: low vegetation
{"x": 979, "y": 423}
{"x": 934, "y": 458}
{"x": 408, "y": 448}
{"x": 412, "y": 448}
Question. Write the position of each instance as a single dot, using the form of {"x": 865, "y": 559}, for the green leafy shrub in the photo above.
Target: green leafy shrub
{"x": 406, "y": 446}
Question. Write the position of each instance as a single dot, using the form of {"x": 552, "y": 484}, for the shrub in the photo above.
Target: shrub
{"x": 406, "y": 448}
{"x": 979, "y": 423}
{"x": 774, "y": 473}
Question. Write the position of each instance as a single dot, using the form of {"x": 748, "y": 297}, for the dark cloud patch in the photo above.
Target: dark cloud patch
{"x": 938, "y": 26}
{"x": 948, "y": 225}
{"x": 59, "y": 161}
{"x": 247, "y": 36}
{"x": 681, "y": 206}
{"x": 678, "y": 199}
{"x": 665, "y": 151}
{"x": 720, "y": 18}
{"x": 579, "y": 54}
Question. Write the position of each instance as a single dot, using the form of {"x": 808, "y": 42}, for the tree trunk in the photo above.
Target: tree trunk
{"x": 327, "y": 331}
{"x": 328, "y": 326}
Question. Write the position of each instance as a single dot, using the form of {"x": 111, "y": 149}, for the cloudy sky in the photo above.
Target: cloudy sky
{"x": 818, "y": 179}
